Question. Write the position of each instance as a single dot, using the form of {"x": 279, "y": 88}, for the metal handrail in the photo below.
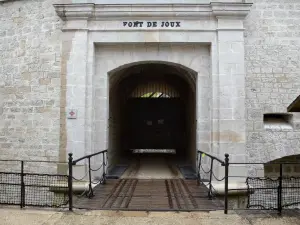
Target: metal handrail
{"x": 31, "y": 161}
{"x": 72, "y": 162}
{"x": 88, "y": 156}
{"x": 211, "y": 156}
{"x": 210, "y": 171}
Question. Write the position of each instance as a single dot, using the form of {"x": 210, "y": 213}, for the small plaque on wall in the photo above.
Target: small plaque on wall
{"x": 72, "y": 114}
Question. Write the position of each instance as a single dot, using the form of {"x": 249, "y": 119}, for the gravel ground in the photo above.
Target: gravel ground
{"x": 13, "y": 216}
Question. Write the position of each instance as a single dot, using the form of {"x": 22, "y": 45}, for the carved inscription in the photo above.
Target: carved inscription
{"x": 150, "y": 24}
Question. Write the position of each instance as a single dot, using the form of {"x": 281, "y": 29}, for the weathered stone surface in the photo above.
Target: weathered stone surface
{"x": 42, "y": 73}
{"x": 272, "y": 51}
{"x": 29, "y": 102}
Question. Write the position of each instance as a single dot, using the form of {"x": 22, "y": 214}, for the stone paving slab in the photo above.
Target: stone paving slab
{"x": 13, "y": 216}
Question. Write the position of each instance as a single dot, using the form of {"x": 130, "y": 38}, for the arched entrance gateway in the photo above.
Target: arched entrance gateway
{"x": 152, "y": 118}
{"x": 139, "y": 85}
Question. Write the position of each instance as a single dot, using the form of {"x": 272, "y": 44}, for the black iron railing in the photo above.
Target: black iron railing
{"x": 205, "y": 171}
{"x": 101, "y": 170}
{"x": 258, "y": 192}
{"x": 276, "y": 192}
{"x": 28, "y": 186}
{"x": 24, "y": 183}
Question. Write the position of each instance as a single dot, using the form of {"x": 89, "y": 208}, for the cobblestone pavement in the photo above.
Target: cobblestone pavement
{"x": 13, "y": 216}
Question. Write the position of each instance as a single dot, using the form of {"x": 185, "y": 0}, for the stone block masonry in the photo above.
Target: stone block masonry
{"x": 30, "y": 56}
{"x": 272, "y": 52}
{"x": 42, "y": 72}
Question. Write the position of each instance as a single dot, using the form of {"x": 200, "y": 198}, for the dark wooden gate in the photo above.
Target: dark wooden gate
{"x": 155, "y": 123}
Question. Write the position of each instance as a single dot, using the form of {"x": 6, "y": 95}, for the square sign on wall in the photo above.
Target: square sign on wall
{"x": 72, "y": 114}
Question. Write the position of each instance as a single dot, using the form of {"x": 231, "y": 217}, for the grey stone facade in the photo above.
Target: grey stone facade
{"x": 272, "y": 52}
{"x": 30, "y": 68}
{"x": 36, "y": 58}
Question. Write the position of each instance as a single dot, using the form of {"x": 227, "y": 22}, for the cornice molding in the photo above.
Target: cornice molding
{"x": 230, "y": 10}
{"x": 122, "y": 11}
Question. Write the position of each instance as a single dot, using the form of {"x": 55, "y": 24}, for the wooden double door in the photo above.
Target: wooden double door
{"x": 155, "y": 123}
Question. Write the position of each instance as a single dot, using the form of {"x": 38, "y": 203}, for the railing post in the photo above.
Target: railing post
{"x": 210, "y": 178}
{"x": 226, "y": 183}
{"x": 70, "y": 182}
{"x": 104, "y": 168}
{"x": 279, "y": 191}
{"x": 90, "y": 194}
{"x": 199, "y": 165}
{"x": 22, "y": 202}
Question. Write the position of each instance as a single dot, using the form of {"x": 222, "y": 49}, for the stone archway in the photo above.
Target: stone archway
{"x": 107, "y": 78}
{"x": 163, "y": 121}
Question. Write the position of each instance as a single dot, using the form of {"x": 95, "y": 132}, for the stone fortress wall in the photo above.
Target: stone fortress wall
{"x": 32, "y": 85}
{"x": 272, "y": 54}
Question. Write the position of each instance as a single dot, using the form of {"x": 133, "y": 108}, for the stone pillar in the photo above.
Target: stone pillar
{"x": 76, "y": 94}
{"x": 229, "y": 115}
